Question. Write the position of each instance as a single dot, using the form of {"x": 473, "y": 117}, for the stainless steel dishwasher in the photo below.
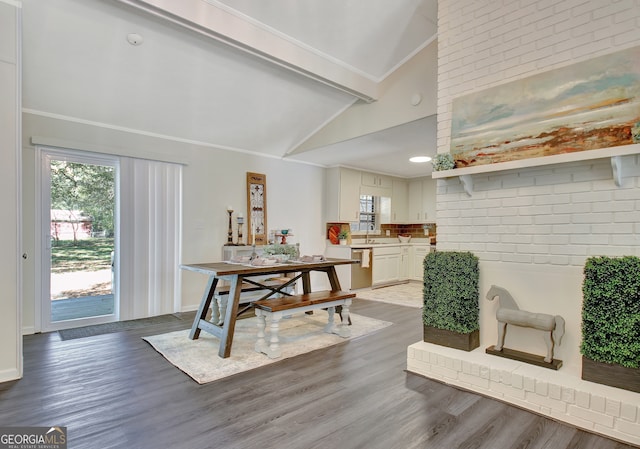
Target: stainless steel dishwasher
{"x": 361, "y": 271}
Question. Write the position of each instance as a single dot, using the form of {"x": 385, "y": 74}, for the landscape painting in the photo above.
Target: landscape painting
{"x": 586, "y": 106}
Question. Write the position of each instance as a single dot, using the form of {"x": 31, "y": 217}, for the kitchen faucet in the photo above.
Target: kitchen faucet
{"x": 366, "y": 236}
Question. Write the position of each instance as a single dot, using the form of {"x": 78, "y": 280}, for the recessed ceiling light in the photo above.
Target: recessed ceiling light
{"x": 420, "y": 159}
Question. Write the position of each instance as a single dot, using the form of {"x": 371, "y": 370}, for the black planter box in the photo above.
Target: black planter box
{"x": 611, "y": 375}
{"x": 443, "y": 337}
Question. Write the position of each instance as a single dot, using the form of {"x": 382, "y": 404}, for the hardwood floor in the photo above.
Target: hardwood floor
{"x": 115, "y": 391}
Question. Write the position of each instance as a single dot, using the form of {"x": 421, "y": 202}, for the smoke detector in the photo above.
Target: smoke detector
{"x": 135, "y": 39}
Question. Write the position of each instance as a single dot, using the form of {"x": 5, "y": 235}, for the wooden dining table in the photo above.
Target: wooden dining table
{"x": 238, "y": 274}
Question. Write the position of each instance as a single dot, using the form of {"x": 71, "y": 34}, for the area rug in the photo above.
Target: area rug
{"x": 409, "y": 295}
{"x": 117, "y": 326}
{"x": 298, "y": 334}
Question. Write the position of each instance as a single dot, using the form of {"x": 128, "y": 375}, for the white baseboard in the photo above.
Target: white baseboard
{"x": 9, "y": 374}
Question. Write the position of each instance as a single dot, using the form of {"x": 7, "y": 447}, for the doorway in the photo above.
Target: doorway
{"x": 78, "y": 221}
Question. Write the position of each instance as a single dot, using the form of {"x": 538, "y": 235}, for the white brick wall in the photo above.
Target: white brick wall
{"x": 559, "y": 215}
{"x": 482, "y": 44}
{"x": 533, "y": 228}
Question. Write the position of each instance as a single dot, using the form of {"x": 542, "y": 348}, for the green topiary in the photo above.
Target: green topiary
{"x": 288, "y": 250}
{"x": 443, "y": 161}
{"x": 451, "y": 291}
{"x": 611, "y": 310}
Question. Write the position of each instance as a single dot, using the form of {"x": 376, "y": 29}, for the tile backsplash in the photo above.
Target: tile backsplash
{"x": 415, "y": 230}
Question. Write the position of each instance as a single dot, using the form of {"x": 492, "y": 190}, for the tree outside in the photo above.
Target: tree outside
{"x": 86, "y": 188}
{"x": 82, "y": 266}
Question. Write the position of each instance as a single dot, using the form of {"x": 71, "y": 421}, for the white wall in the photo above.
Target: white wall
{"x": 213, "y": 179}
{"x": 533, "y": 228}
{"x": 11, "y": 347}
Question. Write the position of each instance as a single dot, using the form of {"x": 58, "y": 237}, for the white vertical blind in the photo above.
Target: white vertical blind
{"x": 150, "y": 230}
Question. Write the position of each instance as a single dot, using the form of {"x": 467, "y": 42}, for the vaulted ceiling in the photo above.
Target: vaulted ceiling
{"x": 258, "y": 76}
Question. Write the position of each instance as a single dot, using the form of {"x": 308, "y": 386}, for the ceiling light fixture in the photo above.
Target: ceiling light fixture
{"x": 420, "y": 159}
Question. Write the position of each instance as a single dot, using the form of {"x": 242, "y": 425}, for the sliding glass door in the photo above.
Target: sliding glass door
{"x": 79, "y": 231}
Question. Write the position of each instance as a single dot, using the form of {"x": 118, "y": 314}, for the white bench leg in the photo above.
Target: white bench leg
{"x": 273, "y": 348}
{"x": 222, "y": 304}
{"x": 330, "y": 328}
{"x": 344, "y": 330}
{"x": 273, "y": 351}
{"x": 261, "y": 344}
{"x": 215, "y": 310}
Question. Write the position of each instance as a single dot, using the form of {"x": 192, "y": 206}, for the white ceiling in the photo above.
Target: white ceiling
{"x": 371, "y": 36}
{"x": 186, "y": 82}
{"x": 387, "y": 151}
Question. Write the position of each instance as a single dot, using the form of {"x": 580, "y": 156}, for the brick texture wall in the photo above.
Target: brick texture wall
{"x": 555, "y": 215}
{"x": 533, "y": 228}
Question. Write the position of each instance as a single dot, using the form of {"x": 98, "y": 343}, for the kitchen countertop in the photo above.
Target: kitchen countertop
{"x": 382, "y": 243}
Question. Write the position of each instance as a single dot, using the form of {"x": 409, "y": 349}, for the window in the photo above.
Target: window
{"x": 368, "y": 213}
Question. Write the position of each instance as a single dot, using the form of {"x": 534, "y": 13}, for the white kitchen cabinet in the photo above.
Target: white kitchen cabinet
{"x": 417, "y": 260}
{"x": 399, "y": 201}
{"x": 344, "y": 187}
{"x": 343, "y": 194}
{"x": 386, "y": 265}
{"x": 381, "y": 189}
{"x": 405, "y": 262}
{"x": 429, "y": 187}
{"x": 374, "y": 180}
{"x": 422, "y": 200}
{"x": 414, "y": 191}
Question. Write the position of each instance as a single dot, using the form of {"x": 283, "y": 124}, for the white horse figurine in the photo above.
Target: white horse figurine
{"x": 509, "y": 313}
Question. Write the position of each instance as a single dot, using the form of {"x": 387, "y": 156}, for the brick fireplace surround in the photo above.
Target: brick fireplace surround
{"x": 533, "y": 228}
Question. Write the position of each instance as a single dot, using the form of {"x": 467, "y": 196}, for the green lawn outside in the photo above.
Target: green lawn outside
{"x": 82, "y": 255}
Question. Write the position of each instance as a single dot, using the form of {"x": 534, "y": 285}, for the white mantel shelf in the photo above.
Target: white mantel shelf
{"x": 613, "y": 153}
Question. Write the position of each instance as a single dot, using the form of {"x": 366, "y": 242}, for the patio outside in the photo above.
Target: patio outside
{"x": 81, "y": 279}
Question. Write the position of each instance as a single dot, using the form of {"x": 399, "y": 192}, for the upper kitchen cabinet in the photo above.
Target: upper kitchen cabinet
{"x": 344, "y": 187}
{"x": 343, "y": 194}
{"x": 376, "y": 185}
{"x": 399, "y": 201}
{"x": 373, "y": 180}
{"x": 422, "y": 200}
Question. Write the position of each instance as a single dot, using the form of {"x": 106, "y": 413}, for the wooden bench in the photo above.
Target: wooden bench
{"x": 221, "y": 296}
{"x": 277, "y": 307}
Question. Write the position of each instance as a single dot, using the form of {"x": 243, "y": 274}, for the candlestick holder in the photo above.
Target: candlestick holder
{"x": 230, "y": 231}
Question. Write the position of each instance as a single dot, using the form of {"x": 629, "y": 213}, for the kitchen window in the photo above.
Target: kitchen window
{"x": 369, "y": 207}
